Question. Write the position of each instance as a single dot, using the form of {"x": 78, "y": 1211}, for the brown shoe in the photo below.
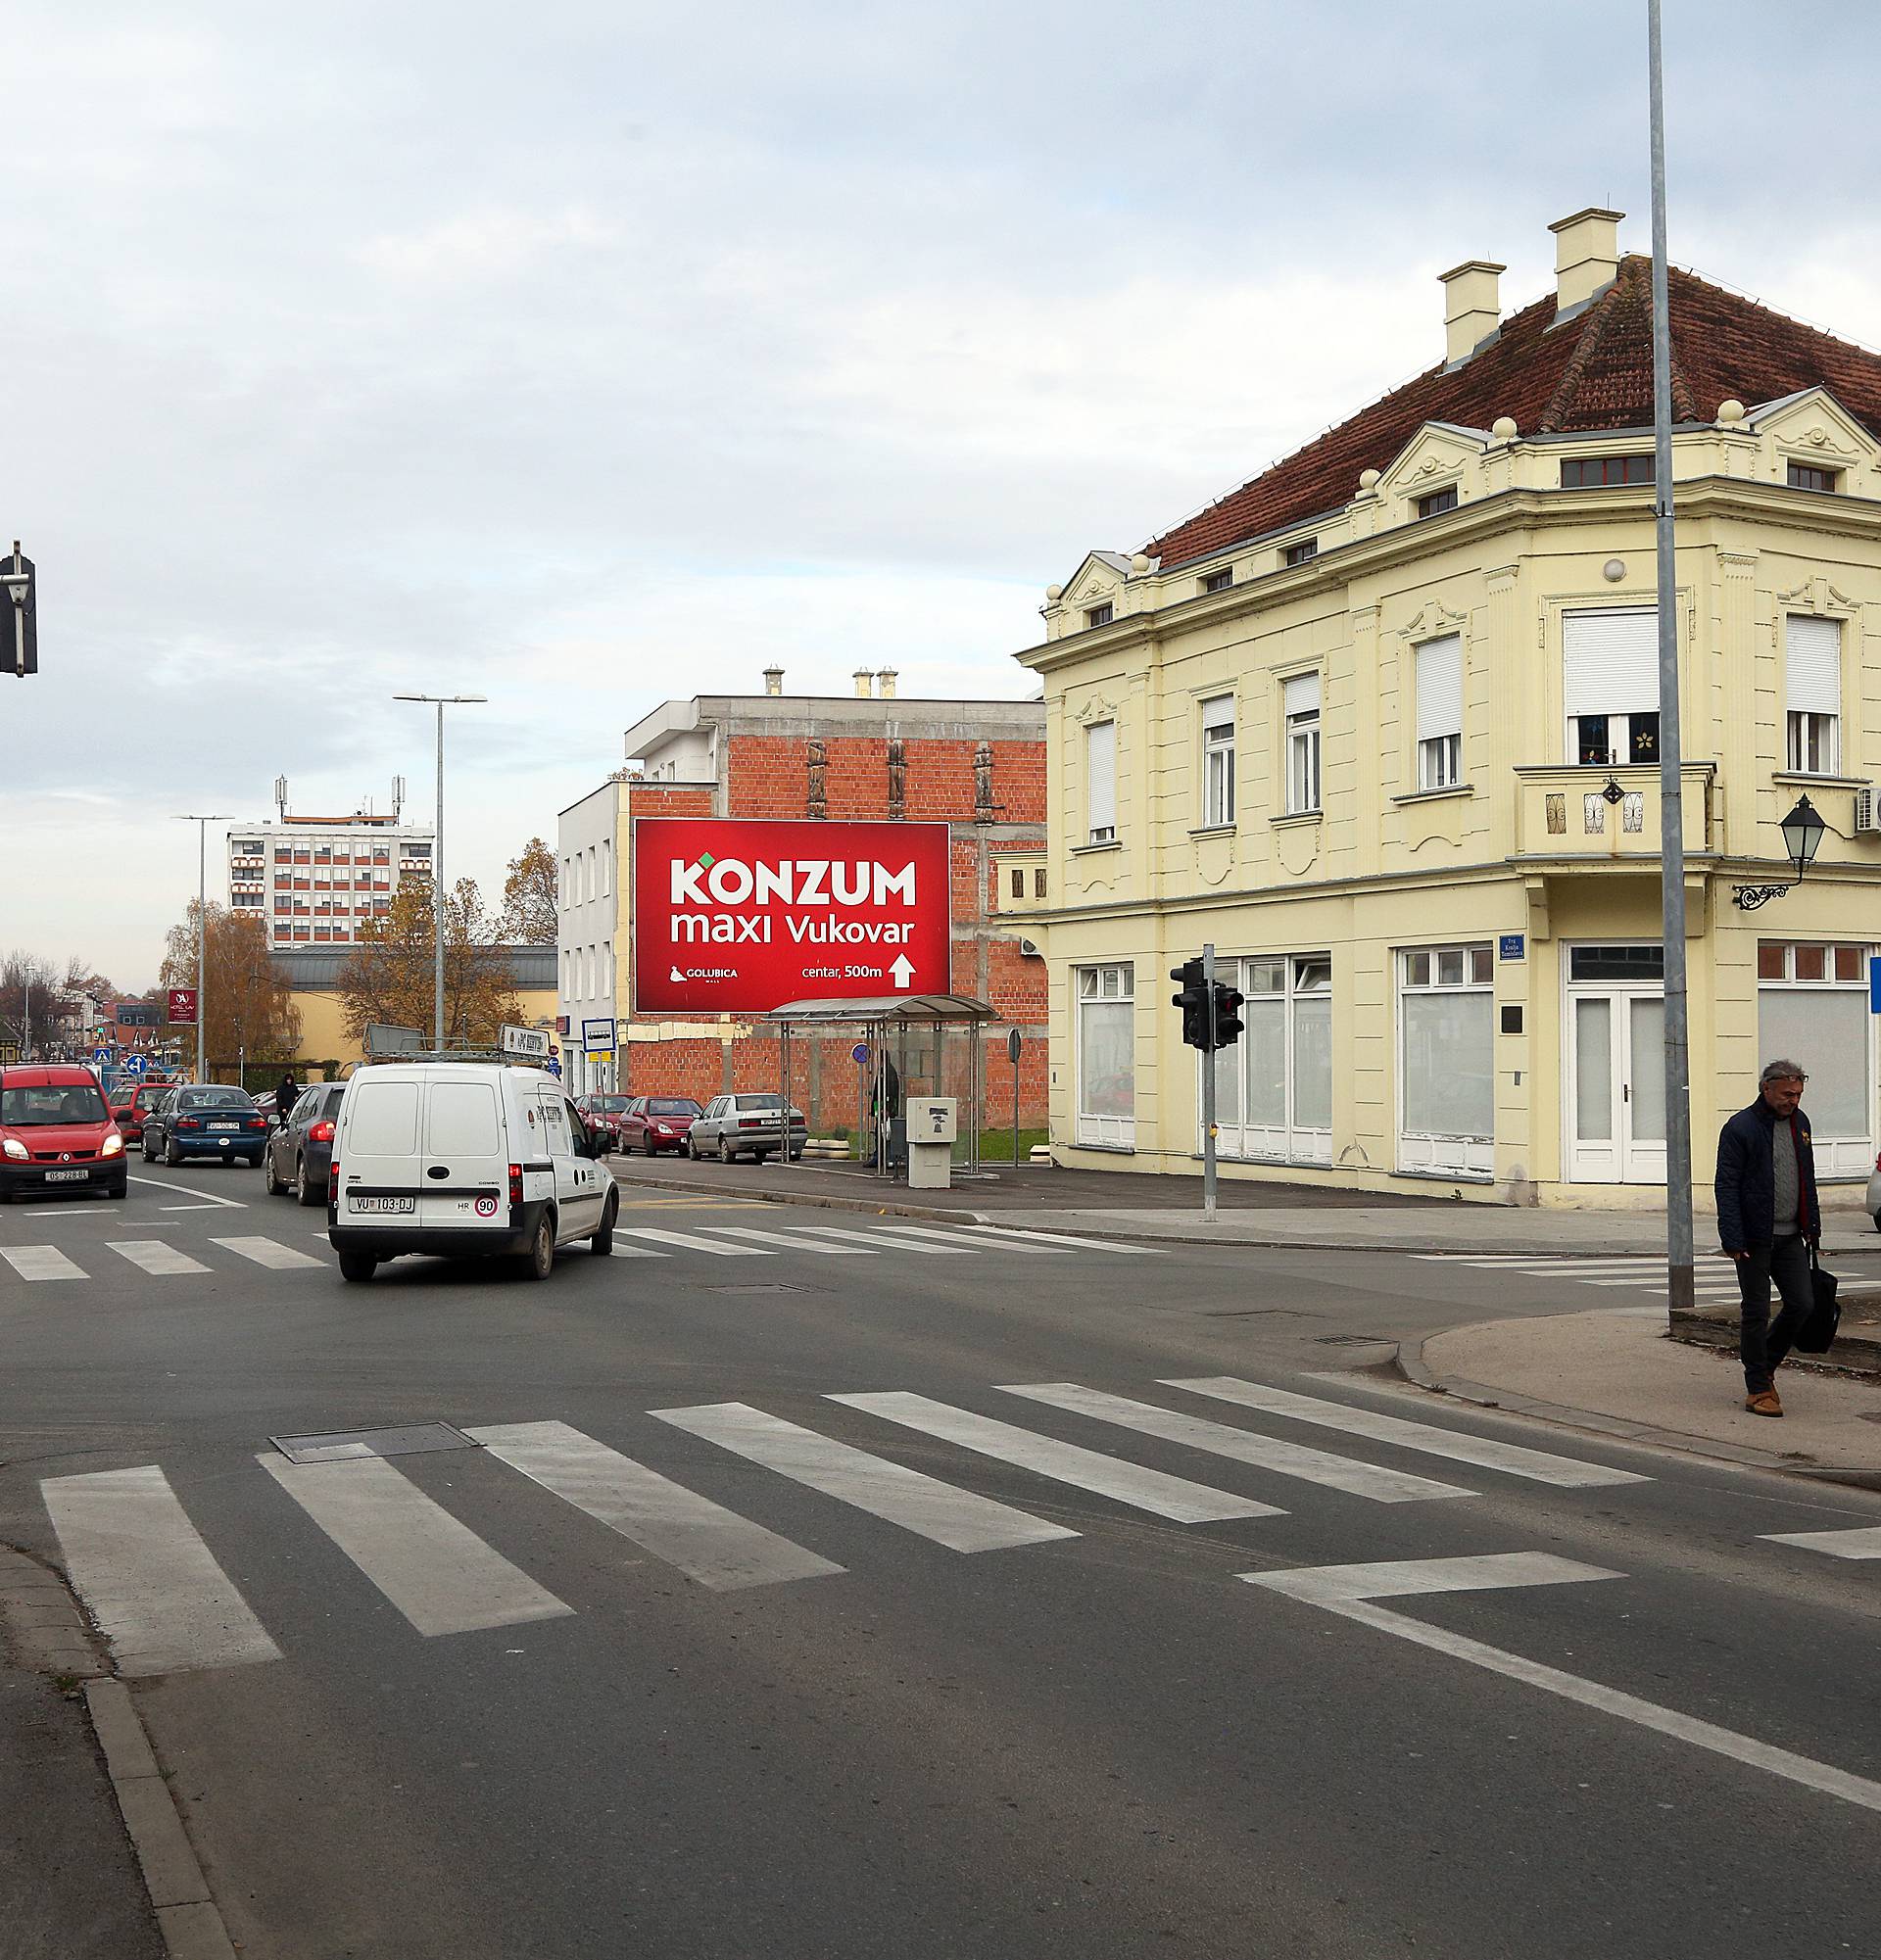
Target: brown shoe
{"x": 1764, "y": 1403}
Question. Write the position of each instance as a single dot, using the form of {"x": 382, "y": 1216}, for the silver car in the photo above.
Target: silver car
{"x": 748, "y": 1122}
{"x": 1874, "y": 1194}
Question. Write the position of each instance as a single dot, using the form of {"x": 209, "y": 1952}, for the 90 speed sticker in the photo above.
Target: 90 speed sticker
{"x": 486, "y": 1208}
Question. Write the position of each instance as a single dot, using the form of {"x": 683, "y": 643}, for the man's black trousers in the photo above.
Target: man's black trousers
{"x": 1764, "y": 1342}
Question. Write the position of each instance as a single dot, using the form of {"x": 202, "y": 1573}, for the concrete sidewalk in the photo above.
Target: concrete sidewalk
{"x": 1121, "y": 1204}
{"x": 1614, "y": 1370}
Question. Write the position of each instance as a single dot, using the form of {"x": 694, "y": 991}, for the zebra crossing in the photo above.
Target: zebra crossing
{"x": 39, "y": 1263}
{"x": 164, "y": 1599}
{"x": 1715, "y": 1279}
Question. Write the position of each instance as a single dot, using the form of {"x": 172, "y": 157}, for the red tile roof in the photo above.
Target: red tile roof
{"x": 1594, "y": 372}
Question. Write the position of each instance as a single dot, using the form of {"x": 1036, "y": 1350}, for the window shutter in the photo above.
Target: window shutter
{"x": 1440, "y": 687}
{"x": 1100, "y": 767}
{"x": 1301, "y": 695}
{"x": 1610, "y": 662}
{"x": 1219, "y": 713}
{"x": 1812, "y": 649}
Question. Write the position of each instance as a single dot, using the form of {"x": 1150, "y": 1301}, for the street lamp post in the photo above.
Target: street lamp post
{"x": 440, "y": 702}
{"x": 202, "y": 822}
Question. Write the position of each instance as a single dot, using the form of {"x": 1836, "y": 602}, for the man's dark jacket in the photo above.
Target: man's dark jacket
{"x": 1747, "y": 1181}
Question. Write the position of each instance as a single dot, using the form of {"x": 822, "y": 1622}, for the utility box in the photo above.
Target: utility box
{"x": 932, "y": 1123}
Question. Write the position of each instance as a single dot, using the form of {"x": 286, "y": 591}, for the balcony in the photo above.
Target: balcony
{"x": 1589, "y": 816}
{"x": 1026, "y": 870}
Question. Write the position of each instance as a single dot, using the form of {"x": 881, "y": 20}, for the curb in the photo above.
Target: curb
{"x": 942, "y": 1213}
{"x": 1411, "y": 1364}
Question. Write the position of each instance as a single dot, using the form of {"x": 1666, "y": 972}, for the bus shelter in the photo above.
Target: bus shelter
{"x": 884, "y": 1023}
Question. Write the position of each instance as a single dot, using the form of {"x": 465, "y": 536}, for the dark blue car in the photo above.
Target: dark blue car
{"x": 203, "y": 1120}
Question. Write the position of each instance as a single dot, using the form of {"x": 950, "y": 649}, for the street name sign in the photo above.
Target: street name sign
{"x": 738, "y": 916}
{"x": 597, "y": 1036}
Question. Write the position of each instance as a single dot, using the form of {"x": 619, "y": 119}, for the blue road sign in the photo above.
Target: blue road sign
{"x": 1875, "y": 984}
{"x": 103, "y": 1055}
{"x": 1511, "y": 947}
{"x": 136, "y": 1064}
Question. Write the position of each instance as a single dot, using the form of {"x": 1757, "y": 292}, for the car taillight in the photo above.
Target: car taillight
{"x": 333, "y": 1182}
{"x": 516, "y": 1185}
{"x": 188, "y": 1122}
{"x": 256, "y": 1122}
{"x": 751, "y": 1123}
{"x": 322, "y": 1132}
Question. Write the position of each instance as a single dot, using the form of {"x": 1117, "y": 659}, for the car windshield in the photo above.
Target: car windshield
{"x": 612, "y": 1105}
{"x": 56, "y": 1103}
{"x": 214, "y": 1099}
{"x": 671, "y": 1106}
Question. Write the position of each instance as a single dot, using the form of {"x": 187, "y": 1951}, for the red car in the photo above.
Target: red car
{"x": 602, "y": 1113}
{"x": 129, "y": 1106}
{"x": 57, "y": 1133}
{"x": 653, "y": 1123}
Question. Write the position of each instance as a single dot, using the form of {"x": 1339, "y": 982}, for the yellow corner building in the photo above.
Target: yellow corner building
{"x": 1382, "y": 725}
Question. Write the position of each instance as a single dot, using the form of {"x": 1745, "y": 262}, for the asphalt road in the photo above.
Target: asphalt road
{"x": 607, "y": 1680}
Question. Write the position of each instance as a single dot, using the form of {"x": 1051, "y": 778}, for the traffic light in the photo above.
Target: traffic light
{"x": 19, "y": 614}
{"x": 1227, "y": 1015}
{"x": 1194, "y": 1001}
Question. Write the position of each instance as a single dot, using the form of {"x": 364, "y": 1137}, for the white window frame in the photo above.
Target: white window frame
{"x": 1438, "y": 667}
{"x": 1626, "y": 692}
{"x": 1458, "y": 966}
{"x": 1108, "y": 984}
{"x": 1288, "y": 1141}
{"x": 1812, "y": 693}
{"x": 1100, "y": 788}
{"x": 1302, "y": 725}
{"x": 1836, "y": 1157}
{"x": 1217, "y": 761}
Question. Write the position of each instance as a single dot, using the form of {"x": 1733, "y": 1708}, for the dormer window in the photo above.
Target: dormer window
{"x": 1308, "y": 548}
{"x": 1437, "y": 502}
{"x": 1805, "y": 476}
{"x": 1099, "y": 615}
{"x": 1604, "y": 473}
{"x": 1218, "y": 581}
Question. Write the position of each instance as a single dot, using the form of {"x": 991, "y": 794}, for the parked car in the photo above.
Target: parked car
{"x": 299, "y": 1154}
{"x": 653, "y": 1123}
{"x": 749, "y": 1122}
{"x": 57, "y": 1133}
{"x": 1874, "y": 1194}
{"x": 604, "y": 1112}
{"x": 131, "y": 1103}
{"x": 204, "y": 1119}
{"x": 464, "y": 1158}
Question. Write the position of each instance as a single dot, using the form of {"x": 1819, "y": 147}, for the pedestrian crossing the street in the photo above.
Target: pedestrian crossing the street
{"x": 164, "y": 1596}
{"x": 1715, "y": 1281}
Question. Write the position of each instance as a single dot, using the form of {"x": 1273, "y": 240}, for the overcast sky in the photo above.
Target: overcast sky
{"x": 586, "y": 354}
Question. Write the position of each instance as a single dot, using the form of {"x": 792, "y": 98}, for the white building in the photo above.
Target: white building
{"x": 317, "y": 879}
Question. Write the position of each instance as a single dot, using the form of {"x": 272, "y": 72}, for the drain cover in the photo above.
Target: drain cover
{"x": 345, "y": 1445}
{"x": 1355, "y": 1340}
{"x": 775, "y": 1286}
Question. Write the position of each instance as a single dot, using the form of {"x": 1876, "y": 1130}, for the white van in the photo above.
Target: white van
{"x": 460, "y": 1159}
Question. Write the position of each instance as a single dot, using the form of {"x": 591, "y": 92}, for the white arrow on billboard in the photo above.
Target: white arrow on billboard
{"x": 902, "y": 970}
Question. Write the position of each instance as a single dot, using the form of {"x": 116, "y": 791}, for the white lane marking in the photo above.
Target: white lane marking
{"x": 1544, "y": 1262}
{"x": 268, "y": 1251}
{"x": 1290, "y": 1459}
{"x": 637, "y": 1251}
{"x": 189, "y": 1208}
{"x": 703, "y": 1540}
{"x": 1153, "y": 1491}
{"x": 1539, "y": 1466}
{"x": 691, "y": 1241}
{"x": 1066, "y": 1238}
{"x": 42, "y": 1262}
{"x": 204, "y": 1198}
{"x": 69, "y": 1212}
{"x": 151, "y": 1582}
{"x": 1863, "y": 1542}
{"x": 795, "y": 1244}
{"x": 154, "y": 1256}
{"x": 873, "y": 1240}
{"x": 959, "y": 1519}
{"x": 437, "y": 1571}
{"x": 1350, "y": 1598}
{"x": 939, "y": 1236}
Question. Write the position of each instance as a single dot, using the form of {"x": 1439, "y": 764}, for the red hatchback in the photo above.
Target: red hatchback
{"x": 130, "y": 1105}
{"x": 653, "y": 1123}
{"x": 57, "y": 1133}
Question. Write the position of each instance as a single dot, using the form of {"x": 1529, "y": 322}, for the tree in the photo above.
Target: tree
{"x": 52, "y": 990}
{"x": 391, "y": 976}
{"x": 250, "y": 1008}
{"x": 529, "y": 897}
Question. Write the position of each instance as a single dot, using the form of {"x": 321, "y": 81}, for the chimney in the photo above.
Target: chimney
{"x": 1471, "y": 311}
{"x": 885, "y": 684}
{"x": 773, "y": 680}
{"x": 863, "y": 677}
{"x": 1586, "y": 255}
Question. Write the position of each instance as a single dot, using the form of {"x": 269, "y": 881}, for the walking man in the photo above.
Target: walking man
{"x": 287, "y": 1093}
{"x": 1768, "y": 1220}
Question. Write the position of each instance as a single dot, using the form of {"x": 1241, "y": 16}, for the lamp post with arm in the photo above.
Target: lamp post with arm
{"x": 202, "y": 822}
{"x": 440, "y": 702}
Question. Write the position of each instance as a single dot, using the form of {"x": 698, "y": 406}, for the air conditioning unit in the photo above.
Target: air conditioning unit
{"x": 1030, "y": 948}
{"x": 1867, "y": 812}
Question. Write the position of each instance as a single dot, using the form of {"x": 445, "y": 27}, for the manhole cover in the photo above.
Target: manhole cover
{"x": 774, "y": 1286}
{"x": 346, "y": 1445}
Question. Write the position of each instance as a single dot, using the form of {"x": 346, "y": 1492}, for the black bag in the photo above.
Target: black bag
{"x": 1818, "y": 1326}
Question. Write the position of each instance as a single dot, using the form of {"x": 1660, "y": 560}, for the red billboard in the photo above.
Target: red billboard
{"x": 182, "y": 1007}
{"x": 731, "y": 916}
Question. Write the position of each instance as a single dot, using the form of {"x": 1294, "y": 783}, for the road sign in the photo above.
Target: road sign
{"x": 182, "y": 1007}
{"x": 103, "y": 1055}
{"x": 136, "y": 1064}
{"x": 529, "y": 1044}
{"x": 734, "y": 915}
{"x": 1015, "y": 1041}
{"x": 1511, "y": 947}
{"x": 598, "y": 1037}
{"x": 1874, "y": 984}
{"x": 859, "y": 1054}
{"x": 393, "y": 1037}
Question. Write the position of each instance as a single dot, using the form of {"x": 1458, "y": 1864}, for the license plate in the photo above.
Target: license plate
{"x": 224, "y": 1125}
{"x": 384, "y": 1203}
{"x": 65, "y": 1176}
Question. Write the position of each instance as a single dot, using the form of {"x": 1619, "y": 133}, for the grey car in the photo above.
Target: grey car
{"x": 748, "y": 1122}
{"x": 300, "y": 1151}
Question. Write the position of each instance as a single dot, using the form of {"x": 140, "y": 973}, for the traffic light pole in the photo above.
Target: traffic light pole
{"x": 1208, "y": 1085}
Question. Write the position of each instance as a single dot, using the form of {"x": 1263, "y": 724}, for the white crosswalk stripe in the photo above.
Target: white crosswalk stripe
{"x": 1153, "y": 1491}
{"x": 154, "y": 1256}
{"x": 894, "y": 1232}
{"x": 691, "y": 1241}
{"x": 42, "y": 1262}
{"x": 151, "y": 1582}
{"x": 1290, "y": 1459}
{"x": 1536, "y": 1464}
{"x": 1715, "y": 1279}
{"x": 269, "y": 1253}
{"x": 1066, "y": 1238}
{"x": 438, "y": 1572}
{"x": 792, "y": 1244}
{"x": 875, "y": 1239}
{"x": 961, "y": 1520}
{"x": 703, "y": 1540}
{"x": 1862, "y": 1541}
{"x": 620, "y": 1251}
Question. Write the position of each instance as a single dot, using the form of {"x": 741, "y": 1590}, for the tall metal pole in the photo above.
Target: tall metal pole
{"x": 437, "y": 901}
{"x": 1208, "y": 1085}
{"x": 25, "y": 1047}
{"x": 1671, "y": 794}
{"x": 202, "y": 948}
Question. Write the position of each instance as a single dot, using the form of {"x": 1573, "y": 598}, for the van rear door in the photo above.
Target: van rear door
{"x": 465, "y": 1163}
{"x": 377, "y": 1152}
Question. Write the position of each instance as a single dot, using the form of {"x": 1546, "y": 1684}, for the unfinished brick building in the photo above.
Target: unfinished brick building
{"x": 976, "y": 765}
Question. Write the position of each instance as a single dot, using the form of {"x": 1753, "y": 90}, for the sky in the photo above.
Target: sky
{"x": 596, "y": 354}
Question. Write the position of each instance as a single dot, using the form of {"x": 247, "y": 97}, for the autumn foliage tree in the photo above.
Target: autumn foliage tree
{"x": 248, "y": 1008}
{"x": 529, "y": 897}
{"x": 391, "y": 974}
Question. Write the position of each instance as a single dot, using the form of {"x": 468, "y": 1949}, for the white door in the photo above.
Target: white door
{"x": 378, "y": 1152}
{"x": 578, "y": 1189}
{"x": 1615, "y": 1086}
{"x": 465, "y": 1174}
